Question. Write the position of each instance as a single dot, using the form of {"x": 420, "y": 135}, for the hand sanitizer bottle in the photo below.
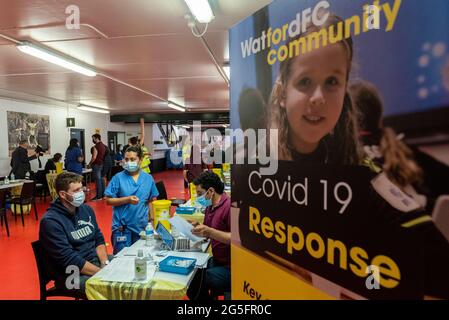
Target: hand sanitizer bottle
{"x": 13, "y": 177}
{"x": 140, "y": 266}
{"x": 6, "y": 180}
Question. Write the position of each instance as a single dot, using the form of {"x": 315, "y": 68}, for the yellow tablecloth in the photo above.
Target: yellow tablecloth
{"x": 97, "y": 289}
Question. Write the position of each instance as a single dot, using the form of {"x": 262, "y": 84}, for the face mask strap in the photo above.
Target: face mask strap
{"x": 73, "y": 198}
{"x": 211, "y": 192}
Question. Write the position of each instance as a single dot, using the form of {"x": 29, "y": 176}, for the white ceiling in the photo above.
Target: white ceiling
{"x": 145, "y": 43}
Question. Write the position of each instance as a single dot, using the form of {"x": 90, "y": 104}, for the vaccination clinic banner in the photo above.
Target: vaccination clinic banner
{"x": 327, "y": 224}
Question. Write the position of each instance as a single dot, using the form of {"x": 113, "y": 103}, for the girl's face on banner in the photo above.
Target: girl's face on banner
{"x": 314, "y": 94}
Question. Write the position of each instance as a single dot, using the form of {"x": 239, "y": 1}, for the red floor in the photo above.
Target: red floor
{"x": 18, "y": 273}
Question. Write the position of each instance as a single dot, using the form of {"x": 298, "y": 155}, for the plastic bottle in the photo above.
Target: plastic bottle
{"x": 13, "y": 177}
{"x": 140, "y": 266}
{"x": 175, "y": 233}
{"x": 6, "y": 180}
{"x": 149, "y": 234}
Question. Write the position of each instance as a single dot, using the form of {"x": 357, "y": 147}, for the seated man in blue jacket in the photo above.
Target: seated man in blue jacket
{"x": 70, "y": 235}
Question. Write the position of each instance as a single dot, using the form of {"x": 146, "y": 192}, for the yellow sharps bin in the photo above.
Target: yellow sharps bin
{"x": 161, "y": 210}
{"x": 192, "y": 189}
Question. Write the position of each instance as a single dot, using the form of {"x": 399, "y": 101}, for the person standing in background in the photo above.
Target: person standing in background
{"x": 107, "y": 165}
{"x": 74, "y": 157}
{"x": 118, "y": 158}
{"x": 132, "y": 142}
{"x": 97, "y": 163}
{"x": 145, "y": 164}
{"x": 195, "y": 165}
{"x": 20, "y": 162}
{"x": 186, "y": 150}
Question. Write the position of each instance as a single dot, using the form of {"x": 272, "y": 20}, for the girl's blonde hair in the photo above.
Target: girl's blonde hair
{"x": 399, "y": 164}
{"x": 342, "y": 144}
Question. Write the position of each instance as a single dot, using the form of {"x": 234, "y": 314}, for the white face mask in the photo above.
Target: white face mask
{"x": 77, "y": 198}
{"x": 131, "y": 166}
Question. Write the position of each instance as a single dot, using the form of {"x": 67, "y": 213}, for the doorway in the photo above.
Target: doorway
{"x": 79, "y": 135}
{"x": 114, "y": 139}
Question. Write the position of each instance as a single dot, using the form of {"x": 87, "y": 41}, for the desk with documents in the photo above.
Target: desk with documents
{"x": 115, "y": 281}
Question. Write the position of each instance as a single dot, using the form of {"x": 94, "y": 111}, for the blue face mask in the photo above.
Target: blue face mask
{"x": 131, "y": 166}
{"x": 78, "y": 199}
{"x": 203, "y": 201}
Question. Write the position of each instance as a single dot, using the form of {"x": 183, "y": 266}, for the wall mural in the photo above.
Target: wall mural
{"x": 32, "y": 127}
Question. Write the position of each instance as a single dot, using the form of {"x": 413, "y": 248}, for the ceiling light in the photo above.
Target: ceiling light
{"x": 225, "y": 125}
{"x": 201, "y": 10}
{"x": 176, "y": 107}
{"x": 93, "y": 109}
{"x": 56, "y": 58}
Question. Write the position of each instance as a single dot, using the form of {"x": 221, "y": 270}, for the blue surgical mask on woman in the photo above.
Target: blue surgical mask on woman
{"x": 78, "y": 198}
{"x": 203, "y": 201}
{"x": 131, "y": 166}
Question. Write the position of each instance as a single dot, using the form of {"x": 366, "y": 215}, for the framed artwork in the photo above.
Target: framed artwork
{"x": 31, "y": 127}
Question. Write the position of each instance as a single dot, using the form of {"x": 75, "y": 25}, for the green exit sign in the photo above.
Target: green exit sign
{"x": 70, "y": 122}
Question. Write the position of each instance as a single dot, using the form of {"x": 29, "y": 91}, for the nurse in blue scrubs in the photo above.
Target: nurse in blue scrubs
{"x": 130, "y": 192}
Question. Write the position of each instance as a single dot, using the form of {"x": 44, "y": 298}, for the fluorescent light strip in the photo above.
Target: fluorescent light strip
{"x": 201, "y": 10}
{"x": 176, "y": 107}
{"x": 227, "y": 70}
{"x": 98, "y": 110}
{"x": 47, "y": 55}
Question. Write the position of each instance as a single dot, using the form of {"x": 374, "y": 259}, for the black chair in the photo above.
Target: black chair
{"x": 26, "y": 198}
{"x": 42, "y": 191}
{"x": 115, "y": 170}
{"x": 160, "y": 186}
{"x": 41, "y": 185}
{"x": 3, "y": 211}
{"x": 45, "y": 270}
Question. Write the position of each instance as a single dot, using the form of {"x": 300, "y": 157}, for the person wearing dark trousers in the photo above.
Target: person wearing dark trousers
{"x": 97, "y": 163}
{"x": 70, "y": 235}
{"x": 107, "y": 166}
{"x": 216, "y": 278}
{"x": 20, "y": 161}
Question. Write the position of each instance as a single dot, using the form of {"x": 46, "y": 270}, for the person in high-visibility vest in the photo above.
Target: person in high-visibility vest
{"x": 145, "y": 164}
{"x": 186, "y": 151}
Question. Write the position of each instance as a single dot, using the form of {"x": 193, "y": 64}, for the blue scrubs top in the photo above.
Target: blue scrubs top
{"x": 134, "y": 217}
{"x": 71, "y": 160}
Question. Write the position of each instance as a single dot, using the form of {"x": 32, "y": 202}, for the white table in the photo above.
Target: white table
{"x": 87, "y": 173}
{"x": 12, "y": 184}
{"x": 163, "y": 285}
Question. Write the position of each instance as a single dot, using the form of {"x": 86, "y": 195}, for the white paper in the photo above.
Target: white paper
{"x": 122, "y": 270}
{"x": 184, "y": 227}
{"x": 131, "y": 252}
